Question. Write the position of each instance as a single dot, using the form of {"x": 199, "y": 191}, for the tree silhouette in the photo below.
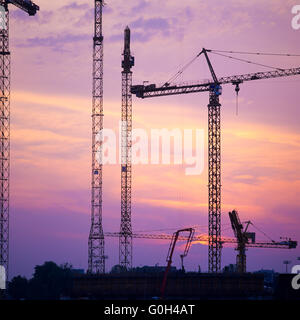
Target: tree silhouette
{"x": 18, "y": 288}
{"x": 49, "y": 282}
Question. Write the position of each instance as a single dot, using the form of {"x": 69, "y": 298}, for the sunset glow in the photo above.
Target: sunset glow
{"x": 51, "y": 128}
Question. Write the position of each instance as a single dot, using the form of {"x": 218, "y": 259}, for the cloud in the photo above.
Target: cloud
{"x": 42, "y": 17}
{"x": 107, "y": 9}
{"x": 58, "y": 41}
{"x": 86, "y": 18}
{"x": 175, "y": 204}
{"x": 51, "y": 134}
{"x": 141, "y": 37}
{"x": 75, "y": 6}
{"x": 189, "y": 13}
{"x": 19, "y": 15}
{"x": 115, "y": 38}
{"x": 144, "y": 30}
{"x": 141, "y": 6}
{"x": 136, "y": 37}
{"x": 151, "y": 24}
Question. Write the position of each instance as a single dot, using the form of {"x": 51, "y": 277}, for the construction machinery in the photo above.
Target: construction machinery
{"x": 31, "y": 9}
{"x": 214, "y": 87}
{"x": 242, "y": 238}
{"x": 96, "y": 256}
{"x": 204, "y": 239}
{"x": 182, "y": 256}
{"x": 174, "y": 239}
{"x": 125, "y": 240}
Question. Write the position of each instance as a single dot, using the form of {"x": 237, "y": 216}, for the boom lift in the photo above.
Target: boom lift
{"x": 171, "y": 251}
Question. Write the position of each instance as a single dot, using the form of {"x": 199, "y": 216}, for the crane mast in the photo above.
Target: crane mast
{"x": 96, "y": 258}
{"x": 214, "y": 173}
{"x": 4, "y": 139}
{"x": 125, "y": 239}
{"x": 214, "y": 183}
{"x": 214, "y": 139}
{"x": 30, "y": 8}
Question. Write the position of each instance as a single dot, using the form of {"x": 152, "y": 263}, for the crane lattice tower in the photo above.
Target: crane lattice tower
{"x": 125, "y": 239}
{"x": 30, "y": 8}
{"x": 96, "y": 258}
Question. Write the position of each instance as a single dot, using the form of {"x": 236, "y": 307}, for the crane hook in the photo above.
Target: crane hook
{"x": 237, "y": 89}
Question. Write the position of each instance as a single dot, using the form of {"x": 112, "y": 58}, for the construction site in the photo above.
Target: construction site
{"x": 159, "y": 282}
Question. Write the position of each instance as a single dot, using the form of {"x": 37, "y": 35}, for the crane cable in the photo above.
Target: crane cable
{"x": 176, "y": 75}
{"x": 219, "y": 52}
{"x": 246, "y": 61}
{"x": 262, "y": 232}
{"x": 258, "y": 53}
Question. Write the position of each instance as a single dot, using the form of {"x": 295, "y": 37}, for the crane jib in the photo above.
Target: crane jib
{"x": 288, "y": 244}
{"x": 152, "y": 90}
{"x": 25, "y": 5}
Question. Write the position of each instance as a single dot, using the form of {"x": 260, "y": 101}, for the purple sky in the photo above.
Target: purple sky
{"x": 51, "y": 127}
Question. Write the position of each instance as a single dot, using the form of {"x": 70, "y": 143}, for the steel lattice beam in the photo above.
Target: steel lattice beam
{"x": 148, "y": 91}
{"x": 30, "y": 8}
{"x": 25, "y": 5}
{"x": 4, "y": 138}
{"x": 290, "y": 244}
{"x": 125, "y": 239}
{"x": 96, "y": 258}
{"x": 214, "y": 183}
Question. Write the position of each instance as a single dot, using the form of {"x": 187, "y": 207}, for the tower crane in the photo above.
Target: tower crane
{"x": 96, "y": 257}
{"x": 245, "y": 239}
{"x": 214, "y": 88}
{"x": 31, "y": 9}
{"x": 272, "y": 244}
{"x": 242, "y": 237}
{"x": 283, "y": 244}
{"x": 125, "y": 240}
